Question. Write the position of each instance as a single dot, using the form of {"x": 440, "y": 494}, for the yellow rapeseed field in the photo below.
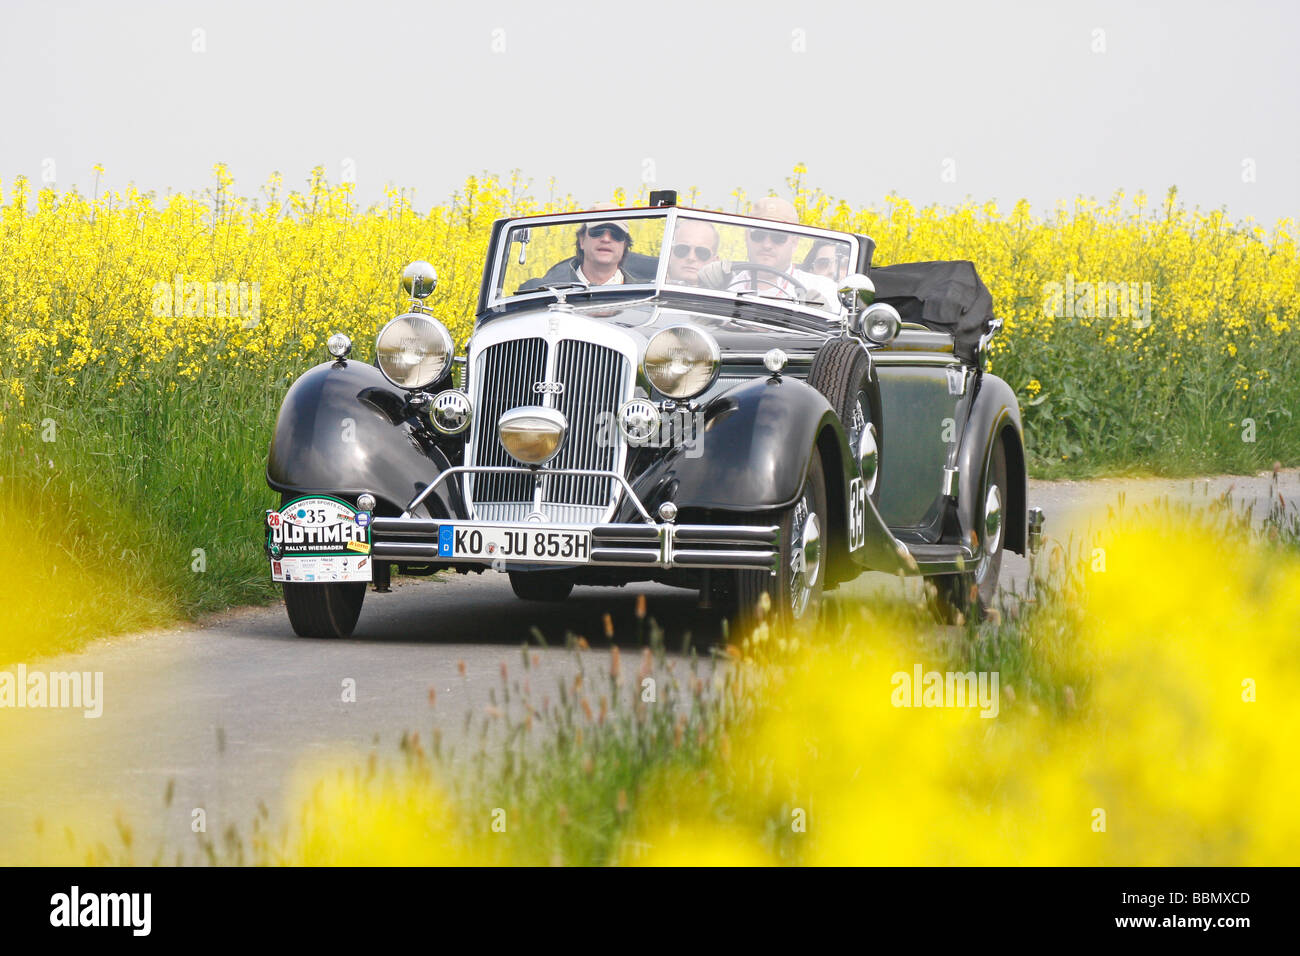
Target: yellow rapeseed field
{"x": 1110, "y": 307}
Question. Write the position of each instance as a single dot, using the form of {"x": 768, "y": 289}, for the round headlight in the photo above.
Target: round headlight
{"x": 881, "y": 323}
{"x": 414, "y": 350}
{"x": 681, "y": 361}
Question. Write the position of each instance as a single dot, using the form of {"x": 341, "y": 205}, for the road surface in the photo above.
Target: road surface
{"x": 223, "y": 711}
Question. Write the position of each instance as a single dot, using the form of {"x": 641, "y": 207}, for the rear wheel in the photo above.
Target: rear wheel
{"x": 540, "y": 585}
{"x": 959, "y": 596}
{"x": 792, "y": 597}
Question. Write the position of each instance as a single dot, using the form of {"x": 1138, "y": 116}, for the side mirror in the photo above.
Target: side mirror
{"x": 856, "y": 289}
{"x": 419, "y": 279}
{"x": 880, "y": 323}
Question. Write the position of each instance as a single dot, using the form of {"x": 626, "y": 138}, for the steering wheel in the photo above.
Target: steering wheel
{"x": 755, "y": 267}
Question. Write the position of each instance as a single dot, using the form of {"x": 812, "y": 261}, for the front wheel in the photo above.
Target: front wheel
{"x": 792, "y": 597}
{"x": 540, "y": 585}
{"x": 324, "y": 610}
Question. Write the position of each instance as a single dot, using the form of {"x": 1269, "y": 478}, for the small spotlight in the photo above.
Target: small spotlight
{"x": 339, "y": 345}
{"x": 775, "y": 360}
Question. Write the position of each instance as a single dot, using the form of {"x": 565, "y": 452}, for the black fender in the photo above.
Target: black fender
{"x": 994, "y": 414}
{"x": 382, "y": 450}
{"x": 751, "y": 455}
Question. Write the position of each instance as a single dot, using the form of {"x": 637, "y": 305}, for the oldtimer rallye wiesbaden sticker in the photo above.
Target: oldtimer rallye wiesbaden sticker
{"x": 318, "y": 539}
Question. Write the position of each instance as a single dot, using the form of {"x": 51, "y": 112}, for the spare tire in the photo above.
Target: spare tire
{"x": 841, "y": 371}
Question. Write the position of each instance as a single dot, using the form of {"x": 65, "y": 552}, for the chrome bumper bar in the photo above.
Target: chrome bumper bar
{"x": 727, "y": 547}
{"x": 651, "y": 544}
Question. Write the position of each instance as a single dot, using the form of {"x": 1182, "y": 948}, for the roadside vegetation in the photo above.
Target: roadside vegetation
{"x": 148, "y": 341}
{"x": 1143, "y": 715}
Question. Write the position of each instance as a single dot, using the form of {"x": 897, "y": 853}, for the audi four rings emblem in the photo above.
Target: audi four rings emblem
{"x": 548, "y": 388}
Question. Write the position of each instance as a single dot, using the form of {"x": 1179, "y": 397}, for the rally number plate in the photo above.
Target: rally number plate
{"x": 319, "y": 539}
{"x": 514, "y": 543}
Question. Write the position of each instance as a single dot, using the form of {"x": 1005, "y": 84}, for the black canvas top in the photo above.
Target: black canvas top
{"x": 945, "y": 296}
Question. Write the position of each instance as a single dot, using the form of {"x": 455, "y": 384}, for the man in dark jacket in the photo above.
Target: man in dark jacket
{"x": 603, "y": 256}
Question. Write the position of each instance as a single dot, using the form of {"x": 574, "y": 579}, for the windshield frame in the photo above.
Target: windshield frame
{"x": 498, "y": 303}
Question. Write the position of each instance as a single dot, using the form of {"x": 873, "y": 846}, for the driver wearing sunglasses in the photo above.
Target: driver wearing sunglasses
{"x": 601, "y": 250}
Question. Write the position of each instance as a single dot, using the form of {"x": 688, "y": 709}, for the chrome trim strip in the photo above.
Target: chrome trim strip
{"x": 882, "y": 357}
{"x": 756, "y": 358}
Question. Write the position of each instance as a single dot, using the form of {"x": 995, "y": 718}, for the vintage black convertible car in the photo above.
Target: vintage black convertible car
{"x": 738, "y": 405}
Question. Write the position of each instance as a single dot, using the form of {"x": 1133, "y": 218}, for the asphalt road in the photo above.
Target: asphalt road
{"x": 224, "y": 711}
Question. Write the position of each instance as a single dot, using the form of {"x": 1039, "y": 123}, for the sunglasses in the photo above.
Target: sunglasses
{"x": 683, "y": 251}
{"x": 605, "y": 229}
{"x": 824, "y": 262}
{"x": 766, "y": 235}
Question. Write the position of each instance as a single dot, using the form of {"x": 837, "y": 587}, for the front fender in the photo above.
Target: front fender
{"x": 342, "y": 430}
{"x": 752, "y": 453}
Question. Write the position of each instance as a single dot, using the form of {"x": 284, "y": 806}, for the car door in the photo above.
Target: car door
{"x": 921, "y": 384}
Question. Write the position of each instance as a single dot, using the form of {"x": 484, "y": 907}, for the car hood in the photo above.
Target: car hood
{"x": 738, "y": 327}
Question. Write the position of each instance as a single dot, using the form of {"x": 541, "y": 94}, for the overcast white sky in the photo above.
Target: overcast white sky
{"x": 937, "y": 101}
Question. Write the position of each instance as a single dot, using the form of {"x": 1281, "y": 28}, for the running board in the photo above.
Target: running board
{"x": 942, "y": 558}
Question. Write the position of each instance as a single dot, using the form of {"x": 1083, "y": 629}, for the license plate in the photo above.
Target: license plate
{"x": 514, "y": 543}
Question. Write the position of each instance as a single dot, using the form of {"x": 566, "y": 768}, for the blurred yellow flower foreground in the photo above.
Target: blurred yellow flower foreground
{"x": 1177, "y": 745}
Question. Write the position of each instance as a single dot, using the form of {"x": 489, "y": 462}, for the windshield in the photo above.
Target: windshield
{"x": 759, "y": 260}
{"x": 596, "y": 252}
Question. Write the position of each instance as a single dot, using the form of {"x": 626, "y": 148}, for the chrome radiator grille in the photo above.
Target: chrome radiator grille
{"x": 596, "y": 381}
{"x": 504, "y": 379}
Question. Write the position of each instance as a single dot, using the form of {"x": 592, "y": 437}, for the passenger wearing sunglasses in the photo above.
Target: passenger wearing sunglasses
{"x": 829, "y": 259}
{"x": 695, "y": 244}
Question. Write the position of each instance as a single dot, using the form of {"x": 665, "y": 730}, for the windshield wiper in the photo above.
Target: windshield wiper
{"x": 561, "y": 289}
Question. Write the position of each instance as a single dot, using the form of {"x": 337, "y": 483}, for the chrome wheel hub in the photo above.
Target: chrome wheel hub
{"x": 993, "y": 521}
{"x": 869, "y": 457}
{"x": 805, "y": 560}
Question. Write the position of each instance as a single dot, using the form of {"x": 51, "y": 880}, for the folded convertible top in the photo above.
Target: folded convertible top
{"x": 944, "y": 296}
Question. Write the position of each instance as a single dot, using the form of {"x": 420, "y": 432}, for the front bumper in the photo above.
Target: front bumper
{"x": 649, "y": 545}
{"x": 407, "y": 539}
